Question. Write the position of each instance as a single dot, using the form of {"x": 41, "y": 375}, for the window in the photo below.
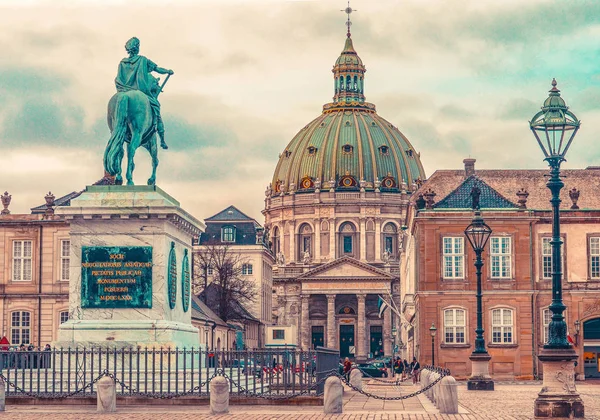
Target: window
{"x": 595, "y": 257}
{"x": 347, "y": 148}
{"x": 209, "y": 271}
{"x": 547, "y": 258}
{"x": 64, "y": 317}
{"x": 389, "y": 244}
{"x": 312, "y": 149}
{"x": 306, "y": 244}
{"x": 501, "y": 255}
{"x": 454, "y": 326}
{"x": 247, "y": 269}
{"x": 22, "y": 260}
{"x": 502, "y": 326}
{"x": 65, "y": 259}
{"x": 384, "y": 150}
{"x": 546, "y": 318}
{"x": 20, "y": 331}
{"x": 228, "y": 234}
{"x": 278, "y": 334}
{"x": 453, "y": 257}
{"x": 347, "y": 244}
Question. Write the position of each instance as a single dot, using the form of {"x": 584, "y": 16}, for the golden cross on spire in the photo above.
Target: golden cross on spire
{"x": 348, "y": 10}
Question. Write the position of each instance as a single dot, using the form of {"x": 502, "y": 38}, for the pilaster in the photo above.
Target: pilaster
{"x": 361, "y": 352}
{"x": 304, "y": 327}
{"x": 331, "y": 321}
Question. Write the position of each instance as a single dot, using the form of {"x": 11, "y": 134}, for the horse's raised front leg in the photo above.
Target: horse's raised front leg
{"x": 153, "y": 150}
{"x": 136, "y": 139}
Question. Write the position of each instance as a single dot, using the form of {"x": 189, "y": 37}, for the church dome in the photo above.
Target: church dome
{"x": 349, "y": 146}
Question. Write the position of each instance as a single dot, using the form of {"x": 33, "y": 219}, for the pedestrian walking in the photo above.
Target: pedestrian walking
{"x": 415, "y": 368}
{"x": 406, "y": 370}
{"x": 347, "y": 368}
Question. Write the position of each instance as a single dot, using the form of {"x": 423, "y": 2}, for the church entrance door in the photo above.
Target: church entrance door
{"x": 376, "y": 349}
{"x": 318, "y": 333}
{"x": 347, "y": 344}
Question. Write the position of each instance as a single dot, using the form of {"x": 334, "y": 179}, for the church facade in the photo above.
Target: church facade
{"x": 334, "y": 211}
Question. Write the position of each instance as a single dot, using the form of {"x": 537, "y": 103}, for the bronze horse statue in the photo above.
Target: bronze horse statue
{"x": 130, "y": 121}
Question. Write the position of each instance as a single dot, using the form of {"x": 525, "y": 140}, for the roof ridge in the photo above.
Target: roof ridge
{"x": 479, "y": 182}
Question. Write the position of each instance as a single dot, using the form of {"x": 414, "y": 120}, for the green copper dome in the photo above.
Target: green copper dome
{"x": 348, "y": 147}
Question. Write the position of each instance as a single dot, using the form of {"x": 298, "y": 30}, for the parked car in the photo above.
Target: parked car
{"x": 248, "y": 367}
{"x": 374, "y": 369}
{"x": 387, "y": 361}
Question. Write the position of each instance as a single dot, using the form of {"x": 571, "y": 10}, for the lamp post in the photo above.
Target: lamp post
{"x": 432, "y": 331}
{"x": 554, "y": 128}
{"x": 478, "y": 233}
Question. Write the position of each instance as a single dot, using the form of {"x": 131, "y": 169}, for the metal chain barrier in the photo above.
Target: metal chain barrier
{"x": 396, "y": 382}
{"x": 442, "y": 372}
{"x": 54, "y": 396}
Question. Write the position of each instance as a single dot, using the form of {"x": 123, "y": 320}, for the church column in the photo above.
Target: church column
{"x": 332, "y": 237}
{"x": 387, "y": 332}
{"x": 315, "y": 252}
{"x": 293, "y": 238}
{"x": 363, "y": 240}
{"x": 377, "y": 239}
{"x": 304, "y": 327}
{"x": 361, "y": 351}
{"x": 331, "y": 322}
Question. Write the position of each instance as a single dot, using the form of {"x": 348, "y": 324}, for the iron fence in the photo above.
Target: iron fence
{"x": 163, "y": 372}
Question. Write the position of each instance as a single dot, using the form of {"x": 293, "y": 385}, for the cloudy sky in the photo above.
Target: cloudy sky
{"x": 459, "y": 78}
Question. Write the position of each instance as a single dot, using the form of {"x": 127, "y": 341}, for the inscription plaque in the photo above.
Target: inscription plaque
{"x": 116, "y": 277}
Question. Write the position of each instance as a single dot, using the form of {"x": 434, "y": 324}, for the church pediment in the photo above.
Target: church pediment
{"x": 346, "y": 268}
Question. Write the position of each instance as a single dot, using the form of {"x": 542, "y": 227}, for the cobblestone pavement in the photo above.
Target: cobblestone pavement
{"x": 507, "y": 402}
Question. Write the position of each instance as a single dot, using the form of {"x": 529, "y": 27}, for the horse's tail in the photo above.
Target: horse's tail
{"x": 113, "y": 155}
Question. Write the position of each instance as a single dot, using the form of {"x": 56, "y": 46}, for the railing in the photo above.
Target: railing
{"x": 158, "y": 372}
{"x": 328, "y": 362}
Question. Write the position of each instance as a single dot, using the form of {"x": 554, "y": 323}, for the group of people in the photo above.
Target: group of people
{"x": 25, "y": 357}
{"x": 403, "y": 368}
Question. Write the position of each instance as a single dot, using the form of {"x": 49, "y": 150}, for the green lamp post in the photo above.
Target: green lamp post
{"x": 554, "y": 128}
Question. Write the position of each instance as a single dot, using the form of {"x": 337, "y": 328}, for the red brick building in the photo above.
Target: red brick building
{"x": 439, "y": 281}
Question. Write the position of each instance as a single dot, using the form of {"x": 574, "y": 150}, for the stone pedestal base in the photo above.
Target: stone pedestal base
{"x": 558, "y": 397}
{"x": 480, "y": 379}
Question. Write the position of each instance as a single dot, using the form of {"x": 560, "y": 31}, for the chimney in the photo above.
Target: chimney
{"x": 469, "y": 167}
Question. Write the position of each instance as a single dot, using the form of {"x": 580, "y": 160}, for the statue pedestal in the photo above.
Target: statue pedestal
{"x": 130, "y": 275}
{"x": 558, "y": 397}
{"x": 480, "y": 379}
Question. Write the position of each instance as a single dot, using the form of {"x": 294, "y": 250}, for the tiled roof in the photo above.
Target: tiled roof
{"x": 245, "y": 233}
{"x": 62, "y": 201}
{"x": 231, "y": 213}
{"x": 508, "y": 181}
{"x": 202, "y": 312}
{"x": 460, "y": 198}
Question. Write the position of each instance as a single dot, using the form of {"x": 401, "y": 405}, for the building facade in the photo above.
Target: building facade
{"x": 246, "y": 243}
{"x": 334, "y": 211}
{"x": 439, "y": 282}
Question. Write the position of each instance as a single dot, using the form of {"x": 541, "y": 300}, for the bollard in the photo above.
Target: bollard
{"x": 2, "y": 395}
{"x": 106, "y": 395}
{"x": 356, "y": 378}
{"x": 219, "y": 395}
{"x": 448, "y": 396}
{"x": 332, "y": 400}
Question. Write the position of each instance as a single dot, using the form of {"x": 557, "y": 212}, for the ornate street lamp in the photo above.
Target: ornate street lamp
{"x": 432, "y": 331}
{"x": 478, "y": 233}
{"x": 554, "y": 128}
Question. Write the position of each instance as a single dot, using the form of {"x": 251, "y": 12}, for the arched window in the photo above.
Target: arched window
{"x": 305, "y": 235}
{"x": 355, "y": 87}
{"x": 20, "y": 331}
{"x": 342, "y": 83}
{"x": 454, "y": 326}
{"x": 347, "y": 310}
{"x": 348, "y": 240}
{"x": 228, "y": 234}
{"x": 502, "y": 326}
{"x": 348, "y": 82}
{"x": 276, "y": 239}
{"x": 390, "y": 239}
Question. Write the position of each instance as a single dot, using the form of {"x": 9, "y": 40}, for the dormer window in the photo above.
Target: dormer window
{"x": 347, "y": 149}
{"x": 384, "y": 150}
{"x": 287, "y": 153}
{"x": 312, "y": 150}
{"x": 228, "y": 234}
{"x": 409, "y": 152}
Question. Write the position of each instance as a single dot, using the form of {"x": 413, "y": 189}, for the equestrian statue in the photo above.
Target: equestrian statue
{"x": 134, "y": 114}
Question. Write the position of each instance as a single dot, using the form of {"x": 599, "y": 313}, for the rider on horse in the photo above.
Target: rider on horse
{"x": 134, "y": 73}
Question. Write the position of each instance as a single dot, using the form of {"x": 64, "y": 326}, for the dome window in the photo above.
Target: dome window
{"x": 384, "y": 150}
{"x": 322, "y": 124}
{"x": 347, "y": 149}
{"x": 287, "y": 153}
{"x": 348, "y": 181}
{"x": 388, "y": 182}
{"x": 348, "y": 124}
{"x": 306, "y": 183}
{"x": 409, "y": 152}
{"x": 373, "y": 124}
{"x": 312, "y": 150}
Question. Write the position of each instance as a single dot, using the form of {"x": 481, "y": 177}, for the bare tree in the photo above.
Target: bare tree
{"x": 226, "y": 288}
